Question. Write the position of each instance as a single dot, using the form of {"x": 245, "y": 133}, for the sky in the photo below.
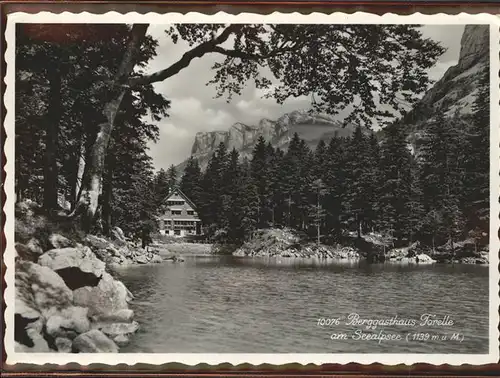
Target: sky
{"x": 194, "y": 107}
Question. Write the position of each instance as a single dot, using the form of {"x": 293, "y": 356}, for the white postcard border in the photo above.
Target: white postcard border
{"x": 254, "y": 358}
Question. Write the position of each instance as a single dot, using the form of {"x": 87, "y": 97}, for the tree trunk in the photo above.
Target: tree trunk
{"x": 80, "y": 168}
{"x": 92, "y": 184}
{"x": 106, "y": 202}
{"x": 107, "y": 190}
{"x": 318, "y": 216}
{"x": 359, "y": 229}
{"x": 51, "y": 136}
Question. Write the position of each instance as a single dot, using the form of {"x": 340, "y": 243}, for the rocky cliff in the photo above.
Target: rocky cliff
{"x": 310, "y": 127}
{"x": 456, "y": 90}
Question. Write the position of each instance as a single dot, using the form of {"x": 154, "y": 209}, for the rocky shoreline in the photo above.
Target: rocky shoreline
{"x": 285, "y": 243}
{"x": 66, "y": 298}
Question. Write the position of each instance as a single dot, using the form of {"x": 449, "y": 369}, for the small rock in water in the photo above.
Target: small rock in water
{"x": 63, "y": 345}
{"x": 141, "y": 259}
{"x": 120, "y": 316}
{"x": 121, "y": 340}
{"x": 115, "y": 329}
{"x": 94, "y": 341}
{"x": 156, "y": 259}
{"x": 423, "y": 258}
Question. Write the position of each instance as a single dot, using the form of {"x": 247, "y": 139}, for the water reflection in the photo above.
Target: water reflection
{"x": 229, "y": 304}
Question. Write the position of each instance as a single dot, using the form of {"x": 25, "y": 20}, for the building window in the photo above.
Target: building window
{"x": 190, "y": 212}
{"x": 175, "y": 202}
{"x": 176, "y": 212}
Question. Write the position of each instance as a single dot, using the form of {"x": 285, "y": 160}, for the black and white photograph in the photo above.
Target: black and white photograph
{"x": 231, "y": 186}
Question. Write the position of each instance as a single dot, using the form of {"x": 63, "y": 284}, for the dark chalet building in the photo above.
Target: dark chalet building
{"x": 180, "y": 217}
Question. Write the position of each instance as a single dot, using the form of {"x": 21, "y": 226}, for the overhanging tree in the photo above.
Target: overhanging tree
{"x": 360, "y": 66}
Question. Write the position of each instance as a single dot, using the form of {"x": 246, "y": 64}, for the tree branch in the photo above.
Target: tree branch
{"x": 196, "y": 52}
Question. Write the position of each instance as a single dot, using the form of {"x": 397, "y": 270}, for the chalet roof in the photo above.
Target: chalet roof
{"x": 179, "y": 192}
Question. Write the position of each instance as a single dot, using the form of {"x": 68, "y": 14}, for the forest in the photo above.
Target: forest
{"x": 86, "y": 110}
{"x": 435, "y": 195}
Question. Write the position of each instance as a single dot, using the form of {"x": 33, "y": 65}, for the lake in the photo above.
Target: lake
{"x": 225, "y": 304}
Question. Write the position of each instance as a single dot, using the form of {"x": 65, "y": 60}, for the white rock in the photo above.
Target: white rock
{"x": 57, "y": 241}
{"x": 82, "y": 258}
{"x": 63, "y": 345}
{"x": 39, "y": 289}
{"x": 69, "y": 322}
{"x": 94, "y": 341}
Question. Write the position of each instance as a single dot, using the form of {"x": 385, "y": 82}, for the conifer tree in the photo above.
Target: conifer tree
{"x": 212, "y": 186}
{"x": 414, "y": 205}
{"x": 289, "y": 177}
{"x": 260, "y": 167}
{"x": 442, "y": 178}
{"x": 161, "y": 187}
{"x": 373, "y": 182}
{"x": 232, "y": 216}
{"x": 320, "y": 159}
{"x": 190, "y": 183}
{"x": 246, "y": 204}
{"x": 317, "y": 211}
{"x": 335, "y": 182}
{"x": 359, "y": 180}
{"x": 172, "y": 177}
{"x": 396, "y": 186}
{"x": 477, "y": 179}
{"x": 276, "y": 195}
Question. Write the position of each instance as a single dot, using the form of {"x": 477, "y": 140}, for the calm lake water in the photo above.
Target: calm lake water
{"x": 251, "y": 305}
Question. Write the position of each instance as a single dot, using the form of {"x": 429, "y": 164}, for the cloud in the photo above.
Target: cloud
{"x": 169, "y": 129}
{"x": 188, "y": 115}
{"x": 194, "y": 106}
{"x": 197, "y": 116}
{"x": 175, "y": 141}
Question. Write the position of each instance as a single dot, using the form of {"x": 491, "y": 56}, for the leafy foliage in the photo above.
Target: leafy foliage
{"x": 67, "y": 78}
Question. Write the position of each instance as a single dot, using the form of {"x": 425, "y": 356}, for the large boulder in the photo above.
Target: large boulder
{"x": 32, "y": 339}
{"x": 156, "y": 259}
{"x": 121, "y": 340}
{"x": 118, "y": 233}
{"x": 125, "y": 251}
{"x": 118, "y": 236}
{"x": 77, "y": 266}
{"x": 120, "y": 333}
{"x": 94, "y": 341}
{"x": 108, "y": 297}
{"x": 96, "y": 242}
{"x": 39, "y": 291}
{"x": 141, "y": 259}
{"x": 424, "y": 259}
{"x": 57, "y": 241}
{"x": 63, "y": 345}
{"x": 25, "y": 252}
{"x": 68, "y": 323}
{"x": 121, "y": 316}
{"x": 115, "y": 329}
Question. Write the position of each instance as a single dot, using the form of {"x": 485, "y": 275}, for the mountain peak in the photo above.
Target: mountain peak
{"x": 456, "y": 90}
{"x": 312, "y": 127}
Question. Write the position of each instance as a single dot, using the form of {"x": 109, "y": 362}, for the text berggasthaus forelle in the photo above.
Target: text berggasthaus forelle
{"x": 426, "y": 327}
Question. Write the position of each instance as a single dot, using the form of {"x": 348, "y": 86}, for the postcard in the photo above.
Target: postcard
{"x": 281, "y": 188}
